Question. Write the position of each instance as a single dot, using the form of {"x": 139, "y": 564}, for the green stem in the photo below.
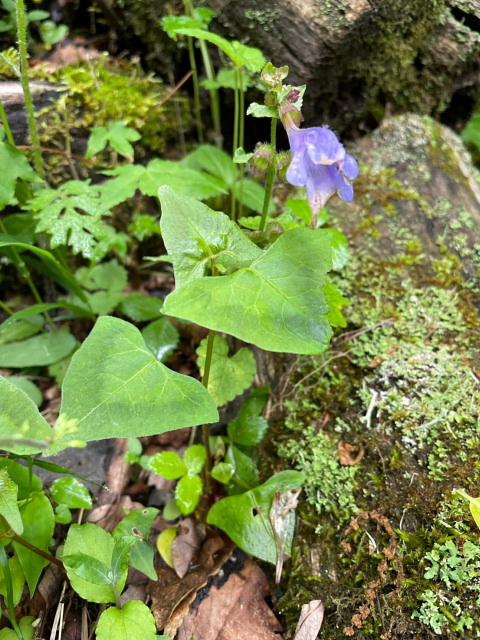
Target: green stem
{"x": 23, "y": 270}
{"x": 9, "y": 588}
{"x": 270, "y": 176}
{"x": 22, "y": 49}
{"x": 6, "y": 125}
{"x": 196, "y": 90}
{"x": 205, "y": 429}
{"x": 6, "y": 308}
{"x": 214, "y": 98}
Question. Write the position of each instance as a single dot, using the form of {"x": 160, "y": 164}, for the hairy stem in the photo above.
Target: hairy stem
{"x": 270, "y": 176}
{"x": 205, "y": 429}
{"x": 196, "y": 90}
{"x": 22, "y": 49}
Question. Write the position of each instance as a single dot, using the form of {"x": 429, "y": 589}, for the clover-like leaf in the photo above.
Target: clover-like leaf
{"x": 229, "y": 377}
{"x": 277, "y": 302}
{"x": 194, "y": 236}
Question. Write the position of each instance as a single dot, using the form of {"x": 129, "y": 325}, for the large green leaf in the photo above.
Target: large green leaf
{"x": 38, "y": 351}
{"x": 39, "y": 522}
{"x": 277, "y": 303}
{"x": 229, "y": 377}
{"x": 17, "y": 412}
{"x": 194, "y": 235}
{"x": 116, "y": 388}
{"x": 245, "y": 518}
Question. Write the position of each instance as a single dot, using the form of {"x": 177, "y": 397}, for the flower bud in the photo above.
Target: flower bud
{"x": 282, "y": 162}
{"x": 261, "y": 159}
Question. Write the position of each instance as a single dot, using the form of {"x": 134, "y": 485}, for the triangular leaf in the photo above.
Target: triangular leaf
{"x": 277, "y": 303}
{"x": 116, "y": 388}
{"x": 194, "y": 235}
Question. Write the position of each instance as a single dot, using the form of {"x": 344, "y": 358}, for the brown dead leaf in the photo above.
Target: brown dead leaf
{"x": 310, "y": 622}
{"x": 235, "y": 609}
{"x": 171, "y": 596}
{"x": 344, "y": 450}
{"x": 186, "y": 546}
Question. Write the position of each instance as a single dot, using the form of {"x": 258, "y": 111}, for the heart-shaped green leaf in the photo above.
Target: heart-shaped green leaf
{"x": 116, "y": 388}
{"x": 195, "y": 235}
{"x": 277, "y": 303}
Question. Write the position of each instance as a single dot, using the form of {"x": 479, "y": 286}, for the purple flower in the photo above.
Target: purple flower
{"x": 320, "y": 164}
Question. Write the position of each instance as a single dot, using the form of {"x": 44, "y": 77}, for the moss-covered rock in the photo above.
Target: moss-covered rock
{"x": 387, "y": 423}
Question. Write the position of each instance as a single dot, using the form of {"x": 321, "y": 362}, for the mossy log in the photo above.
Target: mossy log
{"x": 356, "y": 57}
{"x": 387, "y": 423}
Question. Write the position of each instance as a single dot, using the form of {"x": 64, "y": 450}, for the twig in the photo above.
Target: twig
{"x": 167, "y": 97}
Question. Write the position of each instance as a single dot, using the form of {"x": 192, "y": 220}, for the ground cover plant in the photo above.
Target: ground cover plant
{"x": 245, "y": 269}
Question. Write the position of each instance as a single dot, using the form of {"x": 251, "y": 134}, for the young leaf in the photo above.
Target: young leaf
{"x": 8, "y": 502}
{"x": 161, "y": 338}
{"x": 222, "y": 472}
{"x": 194, "y": 235}
{"x": 194, "y": 458}
{"x": 115, "y": 387}
{"x": 229, "y": 377}
{"x": 120, "y": 556}
{"x": 245, "y": 518}
{"x": 188, "y": 492}
{"x": 277, "y": 303}
{"x": 97, "y": 141}
{"x": 88, "y": 568}
{"x": 39, "y": 522}
{"x": 134, "y": 621}
{"x": 71, "y": 493}
{"x": 93, "y": 542}
{"x": 168, "y": 464}
{"x": 16, "y": 412}
{"x": 120, "y": 137}
{"x": 142, "y": 558}
{"x": 37, "y": 351}
{"x": 141, "y": 554}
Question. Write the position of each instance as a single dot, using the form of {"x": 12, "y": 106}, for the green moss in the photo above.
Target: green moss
{"x": 329, "y": 485}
